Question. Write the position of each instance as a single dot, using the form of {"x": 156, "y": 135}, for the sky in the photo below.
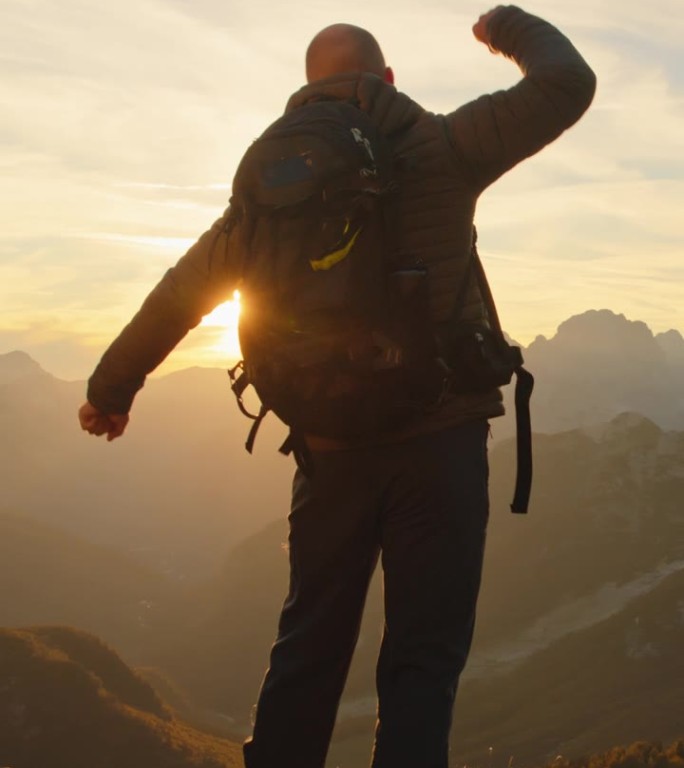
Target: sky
{"x": 121, "y": 126}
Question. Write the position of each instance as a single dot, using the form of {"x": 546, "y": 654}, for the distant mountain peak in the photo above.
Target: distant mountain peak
{"x": 605, "y": 322}
{"x": 18, "y": 365}
{"x": 672, "y": 335}
{"x": 620, "y": 426}
{"x": 602, "y": 340}
{"x": 628, "y": 420}
{"x": 672, "y": 344}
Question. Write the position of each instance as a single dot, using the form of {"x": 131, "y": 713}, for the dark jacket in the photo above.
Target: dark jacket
{"x": 445, "y": 164}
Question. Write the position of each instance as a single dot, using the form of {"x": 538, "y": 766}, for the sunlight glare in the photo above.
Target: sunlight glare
{"x": 226, "y": 316}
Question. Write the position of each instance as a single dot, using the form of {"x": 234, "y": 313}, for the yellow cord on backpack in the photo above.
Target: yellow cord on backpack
{"x": 329, "y": 261}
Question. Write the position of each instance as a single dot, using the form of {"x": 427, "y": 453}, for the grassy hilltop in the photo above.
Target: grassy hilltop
{"x": 68, "y": 701}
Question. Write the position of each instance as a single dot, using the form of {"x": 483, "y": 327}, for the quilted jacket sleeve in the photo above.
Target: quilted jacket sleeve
{"x": 497, "y": 131}
{"x": 202, "y": 279}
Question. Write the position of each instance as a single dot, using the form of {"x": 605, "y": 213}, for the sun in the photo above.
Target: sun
{"x": 226, "y": 316}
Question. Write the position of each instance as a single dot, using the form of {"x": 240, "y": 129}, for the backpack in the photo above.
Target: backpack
{"x": 335, "y": 328}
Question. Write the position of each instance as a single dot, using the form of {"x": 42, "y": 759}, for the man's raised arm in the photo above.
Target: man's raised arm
{"x": 495, "y": 132}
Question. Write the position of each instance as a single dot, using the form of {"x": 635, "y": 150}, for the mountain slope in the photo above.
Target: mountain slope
{"x": 615, "y": 682}
{"x": 608, "y": 497}
{"x": 68, "y": 702}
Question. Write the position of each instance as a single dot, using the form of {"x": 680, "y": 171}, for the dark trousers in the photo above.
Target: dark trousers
{"x": 422, "y": 506}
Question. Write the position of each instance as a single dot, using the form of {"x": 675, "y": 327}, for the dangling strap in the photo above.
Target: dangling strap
{"x": 295, "y": 444}
{"x": 523, "y": 483}
{"x": 523, "y": 392}
{"x": 251, "y": 437}
{"x": 239, "y": 381}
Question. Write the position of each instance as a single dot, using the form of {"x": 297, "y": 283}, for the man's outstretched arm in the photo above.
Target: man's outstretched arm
{"x": 202, "y": 279}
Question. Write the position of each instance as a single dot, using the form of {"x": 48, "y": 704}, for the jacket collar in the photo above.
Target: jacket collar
{"x": 391, "y": 110}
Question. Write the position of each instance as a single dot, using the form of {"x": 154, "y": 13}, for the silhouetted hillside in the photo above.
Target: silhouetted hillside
{"x": 49, "y": 576}
{"x": 68, "y": 702}
{"x": 101, "y": 660}
{"x": 640, "y": 754}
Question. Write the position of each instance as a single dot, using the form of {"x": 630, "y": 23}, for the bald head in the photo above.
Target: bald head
{"x": 344, "y": 48}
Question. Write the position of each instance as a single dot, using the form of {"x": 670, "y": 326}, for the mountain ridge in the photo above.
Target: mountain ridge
{"x": 609, "y": 325}
{"x": 69, "y": 702}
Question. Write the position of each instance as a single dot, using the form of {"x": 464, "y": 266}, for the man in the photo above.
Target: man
{"x": 418, "y": 500}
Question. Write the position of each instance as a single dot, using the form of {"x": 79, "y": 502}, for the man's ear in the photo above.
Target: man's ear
{"x": 389, "y": 75}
